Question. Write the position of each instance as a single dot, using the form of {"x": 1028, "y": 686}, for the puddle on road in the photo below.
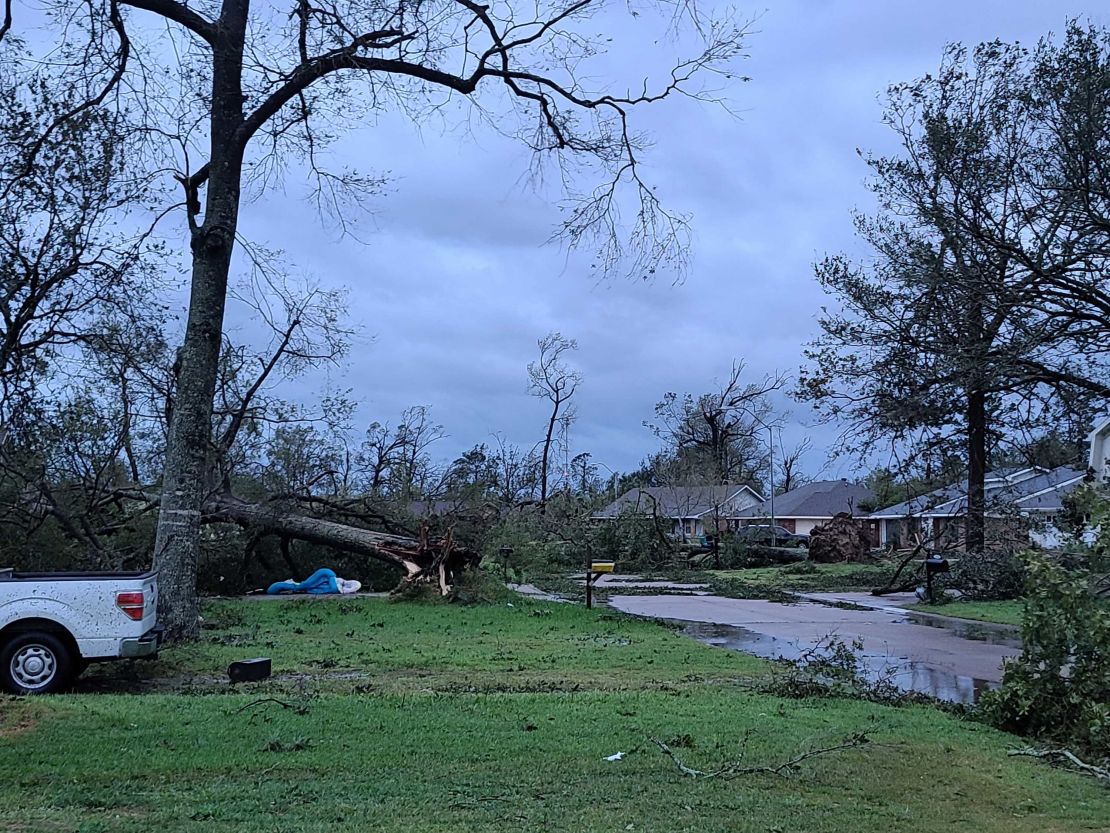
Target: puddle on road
{"x": 967, "y": 629}
{"x": 906, "y": 674}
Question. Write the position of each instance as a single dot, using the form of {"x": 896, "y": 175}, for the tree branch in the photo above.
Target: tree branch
{"x": 178, "y": 13}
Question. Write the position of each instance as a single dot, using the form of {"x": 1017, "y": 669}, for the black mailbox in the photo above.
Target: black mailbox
{"x": 935, "y": 564}
{"x": 249, "y": 670}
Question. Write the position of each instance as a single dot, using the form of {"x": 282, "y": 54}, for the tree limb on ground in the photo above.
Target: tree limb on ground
{"x": 891, "y": 587}
{"x": 733, "y": 769}
{"x": 1063, "y": 757}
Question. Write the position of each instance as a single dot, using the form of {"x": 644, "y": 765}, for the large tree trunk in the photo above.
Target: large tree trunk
{"x": 975, "y": 538}
{"x": 177, "y": 543}
{"x": 422, "y": 560}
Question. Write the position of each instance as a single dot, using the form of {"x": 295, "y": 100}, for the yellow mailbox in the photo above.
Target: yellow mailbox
{"x": 597, "y": 568}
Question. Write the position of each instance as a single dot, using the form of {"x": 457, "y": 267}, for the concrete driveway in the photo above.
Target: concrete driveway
{"x": 937, "y": 655}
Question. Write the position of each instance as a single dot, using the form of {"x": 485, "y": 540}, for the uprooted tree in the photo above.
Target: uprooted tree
{"x": 280, "y": 83}
{"x": 841, "y": 538}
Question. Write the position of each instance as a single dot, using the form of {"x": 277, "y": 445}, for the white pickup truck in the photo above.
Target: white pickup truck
{"x": 52, "y": 625}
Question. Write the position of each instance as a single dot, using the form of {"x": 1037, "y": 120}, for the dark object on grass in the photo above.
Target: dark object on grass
{"x": 249, "y": 670}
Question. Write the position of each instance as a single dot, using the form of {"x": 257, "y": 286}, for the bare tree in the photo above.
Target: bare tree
{"x": 516, "y": 472}
{"x": 789, "y": 465}
{"x": 281, "y": 82}
{"x": 395, "y": 461}
{"x": 722, "y": 428}
{"x": 549, "y": 378}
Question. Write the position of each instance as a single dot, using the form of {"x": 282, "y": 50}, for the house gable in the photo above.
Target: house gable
{"x": 1099, "y": 440}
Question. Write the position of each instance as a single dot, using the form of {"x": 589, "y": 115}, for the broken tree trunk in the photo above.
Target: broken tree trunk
{"x": 423, "y": 560}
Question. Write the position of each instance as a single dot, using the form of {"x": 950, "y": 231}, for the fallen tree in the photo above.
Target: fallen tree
{"x": 424, "y": 559}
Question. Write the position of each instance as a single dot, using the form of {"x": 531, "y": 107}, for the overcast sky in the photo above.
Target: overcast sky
{"x": 454, "y": 284}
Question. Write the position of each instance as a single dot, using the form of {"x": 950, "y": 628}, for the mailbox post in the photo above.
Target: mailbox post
{"x": 595, "y": 571}
{"x": 506, "y": 554}
{"x": 934, "y": 564}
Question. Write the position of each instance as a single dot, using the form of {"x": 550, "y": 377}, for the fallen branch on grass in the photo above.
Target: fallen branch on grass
{"x": 785, "y": 769}
{"x": 299, "y": 708}
{"x": 1063, "y": 757}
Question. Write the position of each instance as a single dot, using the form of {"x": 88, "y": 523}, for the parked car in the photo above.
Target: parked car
{"x": 52, "y": 625}
{"x": 771, "y": 536}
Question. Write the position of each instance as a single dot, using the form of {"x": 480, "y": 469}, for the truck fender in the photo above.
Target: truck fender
{"x": 36, "y": 608}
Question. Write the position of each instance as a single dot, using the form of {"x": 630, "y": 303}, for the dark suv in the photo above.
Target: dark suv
{"x": 771, "y": 535}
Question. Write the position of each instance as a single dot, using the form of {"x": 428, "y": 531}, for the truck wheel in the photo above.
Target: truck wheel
{"x": 35, "y": 662}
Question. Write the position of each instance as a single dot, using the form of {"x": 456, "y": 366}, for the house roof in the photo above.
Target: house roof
{"x": 1030, "y": 489}
{"x": 821, "y": 499}
{"x": 675, "y": 501}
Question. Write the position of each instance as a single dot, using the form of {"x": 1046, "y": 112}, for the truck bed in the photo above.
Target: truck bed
{"x": 8, "y": 574}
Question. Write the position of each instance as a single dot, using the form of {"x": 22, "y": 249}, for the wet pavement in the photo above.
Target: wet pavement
{"x": 947, "y": 658}
{"x": 629, "y": 581}
{"x": 533, "y": 592}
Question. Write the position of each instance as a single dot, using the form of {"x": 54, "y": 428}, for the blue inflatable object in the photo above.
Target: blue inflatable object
{"x": 319, "y": 583}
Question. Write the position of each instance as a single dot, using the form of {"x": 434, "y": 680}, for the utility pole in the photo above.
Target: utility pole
{"x": 771, "y": 452}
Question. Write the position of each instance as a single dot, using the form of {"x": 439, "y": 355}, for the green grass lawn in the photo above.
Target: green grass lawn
{"x": 411, "y": 717}
{"x": 1005, "y": 613}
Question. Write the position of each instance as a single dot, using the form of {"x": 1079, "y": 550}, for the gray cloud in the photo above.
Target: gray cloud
{"x": 454, "y": 284}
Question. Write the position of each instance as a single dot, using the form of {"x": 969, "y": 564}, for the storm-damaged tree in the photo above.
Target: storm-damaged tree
{"x": 395, "y": 461}
{"x": 550, "y": 378}
{"x": 257, "y": 89}
{"x": 515, "y": 473}
{"x": 789, "y": 466}
{"x": 948, "y": 336}
{"x": 79, "y": 315}
{"x": 717, "y": 437}
{"x": 71, "y": 272}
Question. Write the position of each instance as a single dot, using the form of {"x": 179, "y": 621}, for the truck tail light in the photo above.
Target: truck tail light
{"x": 131, "y": 604}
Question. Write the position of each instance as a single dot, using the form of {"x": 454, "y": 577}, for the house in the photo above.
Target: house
{"x": 1099, "y": 440}
{"x": 695, "y": 510}
{"x": 1028, "y": 499}
{"x": 808, "y": 506}
{"x": 692, "y": 510}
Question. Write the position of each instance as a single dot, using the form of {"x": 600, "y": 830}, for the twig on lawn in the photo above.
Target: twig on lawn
{"x": 1064, "y": 757}
{"x": 685, "y": 770}
{"x": 734, "y": 769}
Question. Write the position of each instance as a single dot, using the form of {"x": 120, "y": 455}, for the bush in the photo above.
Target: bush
{"x": 1059, "y": 688}
{"x": 988, "y": 576}
{"x": 633, "y": 541}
